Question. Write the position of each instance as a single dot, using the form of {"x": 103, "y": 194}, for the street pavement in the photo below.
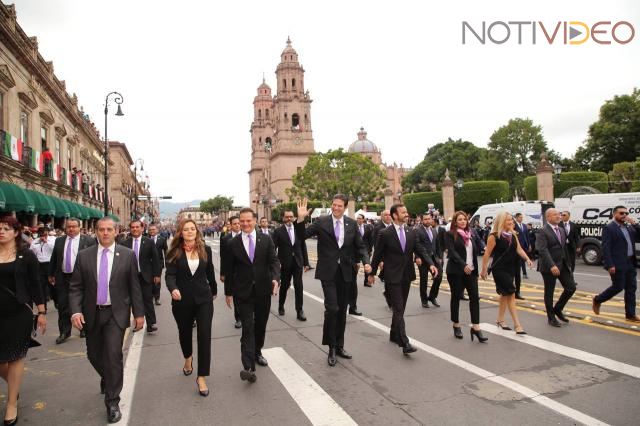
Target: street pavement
{"x": 585, "y": 372}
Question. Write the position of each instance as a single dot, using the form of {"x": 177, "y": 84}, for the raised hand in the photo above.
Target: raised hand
{"x": 302, "y": 209}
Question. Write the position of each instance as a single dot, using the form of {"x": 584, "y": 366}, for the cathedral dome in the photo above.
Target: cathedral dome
{"x": 363, "y": 145}
{"x": 289, "y": 54}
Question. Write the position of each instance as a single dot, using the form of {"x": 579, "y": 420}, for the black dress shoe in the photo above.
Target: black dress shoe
{"x": 152, "y": 328}
{"x": 408, "y": 349}
{"x": 238, "y": 324}
{"x": 301, "y": 316}
{"x": 331, "y": 358}
{"x": 102, "y": 386}
{"x": 457, "y": 331}
{"x": 342, "y": 353}
{"x": 248, "y": 375}
{"x": 554, "y": 322}
{"x": 113, "y": 414}
{"x": 434, "y": 302}
{"x": 11, "y": 422}
{"x": 281, "y": 311}
{"x": 62, "y": 338}
{"x": 479, "y": 335}
{"x": 425, "y": 305}
{"x": 260, "y": 360}
{"x": 355, "y": 311}
{"x": 519, "y": 297}
{"x": 560, "y": 315}
{"x": 83, "y": 334}
{"x": 157, "y": 301}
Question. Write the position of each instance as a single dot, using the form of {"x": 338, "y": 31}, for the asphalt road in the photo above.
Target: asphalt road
{"x": 593, "y": 378}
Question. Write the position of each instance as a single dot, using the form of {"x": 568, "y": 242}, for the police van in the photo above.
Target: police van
{"x": 592, "y": 213}
{"x": 533, "y": 212}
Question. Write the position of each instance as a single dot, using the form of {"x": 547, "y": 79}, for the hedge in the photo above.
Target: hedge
{"x": 597, "y": 180}
{"x": 531, "y": 187}
{"x": 416, "y": 202}
{"x": 474, "y": 194}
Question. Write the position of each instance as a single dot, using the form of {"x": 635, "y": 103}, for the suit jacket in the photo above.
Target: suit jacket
{"x": 523, "y": 235}
{"x": 244, "y": 279}
{"x": 550, "y": 251}
{"x": 398, "y": 264}
{"x": 148, "y": 257}
{"x": 259, "y": 230}
{"x": 197, "y": 288}
{"x": 614, "y": 246}
{"x": 224, "y": 250}
{"x": 367, "y": 237}
{"x": 573, "y": 237}
{"x": 379, "y": 226}
{"x": 57, "y": 257}
{"x": 330, "y": 256}
{"x": 161, "y": 246}
{"x": 28, "y": 288}
{"x": 457, "y": 254}
{"x": 124, "y": 286}
{"x": 430, "y": 246}
{"x": 288, "y": 253}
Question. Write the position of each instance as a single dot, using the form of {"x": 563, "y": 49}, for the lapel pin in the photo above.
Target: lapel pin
{"x": 117, "y": 254}
{"x": 20, "y": 257}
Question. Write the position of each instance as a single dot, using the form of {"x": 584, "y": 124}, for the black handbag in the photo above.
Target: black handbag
{"x": 33, "y": 343}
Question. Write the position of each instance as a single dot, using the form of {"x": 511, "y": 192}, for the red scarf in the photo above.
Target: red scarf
{"x": 466, "y": 236}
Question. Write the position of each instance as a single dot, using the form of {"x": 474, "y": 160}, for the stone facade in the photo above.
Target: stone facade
{"x": 201, "y": 218}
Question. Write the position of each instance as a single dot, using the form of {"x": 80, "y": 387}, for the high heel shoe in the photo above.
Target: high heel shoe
{"x": 457, "y": 331}
{"x": 200, "y": 391}
{"x": 188, "y": 372}
{"x": 479, "y": 335}
{"x": 520, "y": 332}
{"x": 11, "y": 422}
{"x": 500, "y": 324}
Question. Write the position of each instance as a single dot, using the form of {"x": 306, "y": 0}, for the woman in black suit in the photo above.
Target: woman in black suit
{"x": 462, "y": 273}
{"x": 19, "y": 289}
{"x": 190, "y": 280}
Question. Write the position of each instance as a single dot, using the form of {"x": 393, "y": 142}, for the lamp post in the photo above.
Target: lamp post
{"x": 135, "y": 185}
{"x": 117, "y": 98}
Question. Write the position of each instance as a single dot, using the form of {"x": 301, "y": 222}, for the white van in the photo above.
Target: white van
{"x": 533, "y": 211}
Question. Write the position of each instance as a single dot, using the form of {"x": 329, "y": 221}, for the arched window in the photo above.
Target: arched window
{"x": 266, "y": 113}
{"x": 295, "y": 121}
{"x": 259, "y": 113}
{"x": 284, "y": 83}
{"x": 293, "y": 83}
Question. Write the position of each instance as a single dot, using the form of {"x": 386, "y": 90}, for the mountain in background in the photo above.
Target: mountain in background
{"x": 171, "y": 208}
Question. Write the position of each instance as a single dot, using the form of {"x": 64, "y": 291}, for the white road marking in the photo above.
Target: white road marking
{"x": 488, "y": 375}
{"x": 130, "y": 375}
{"x": 314, "y": 402}
{"x": 600, "y": 361}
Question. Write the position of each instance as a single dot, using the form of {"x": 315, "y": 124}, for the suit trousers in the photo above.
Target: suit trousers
{"x": 156, "y": 289}
{"x": 254, "y": 315}
{"x": 286, "y": 274}
{"x": 147, "y": 298}
{"x": 518, "y": 276}
{"x": 104, "y": 350}
{"x": 353, "y": 290}
{"x": 435, "y": 283}
{"x": 64, "y": 311}
{"x": 572, "y": 257}
{"x": 622, "y": 280}
{"x": 458, "y": 283}
{"x": 566, "y": 279}
{"x": 398, "y": 295}
{"x": 185, "y": 313}
{"x": 336, "y": 295}
{"x": 44, "y": 281}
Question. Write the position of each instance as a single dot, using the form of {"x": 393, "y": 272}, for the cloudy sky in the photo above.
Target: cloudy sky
{"x": 189, "y": 70}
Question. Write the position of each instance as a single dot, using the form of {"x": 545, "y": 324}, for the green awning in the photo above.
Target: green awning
{"x": 62, "y": 210}
{"x": 74, "y": 209}
{"x": 43, "y": 203}
{"x": 114, "y": 217}
{"x": 16, "y": 198}
{"x": 95, "y": 213}
{"x": 2, "y": 200}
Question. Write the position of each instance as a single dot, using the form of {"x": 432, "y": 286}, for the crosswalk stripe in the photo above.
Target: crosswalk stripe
{"x": 130, "y": 375}
{"x": 600, "y": 361}
{"x": 314, "y": 402}
{"x": 488, "y": 375}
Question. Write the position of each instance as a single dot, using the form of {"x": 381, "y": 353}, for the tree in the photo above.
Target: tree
{"x": 214, "y": 205}
{"x": 615, "y": 137}
{"x": 460, "y": 157}
{"x": 337, "y": 171}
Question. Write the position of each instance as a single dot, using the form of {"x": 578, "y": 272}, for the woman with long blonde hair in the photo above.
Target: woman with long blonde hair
{"x": 503, "y": 246}
{"x": 191, "y": 281}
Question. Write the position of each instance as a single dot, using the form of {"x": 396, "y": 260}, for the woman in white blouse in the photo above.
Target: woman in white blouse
{"x": 191, "y": 281}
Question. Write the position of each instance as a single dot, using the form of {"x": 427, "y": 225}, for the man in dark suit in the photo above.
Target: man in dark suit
{"x": 553, "y": 264}
{"x": 428, "y": 236}
{"x": 264, "y": 227}
{"x": 525, "y": 243}
{"x": 103, "y": 290}
{"x": 252, "y": 273}
{"x": 148, "y": 267}
{"x": 365, "y": 232}
{"x": 383, "y": 223}
{"x": 339, "y": 245}
{"x": 294, "y": 260}
{"x": 161, "y": 246}
{"x": 61, "y": 266}
{"x": 573, "y": 238}
{"x": 398, "y": 247}
{"x": 232, "y": 231}
{"x": 619, "y": 239}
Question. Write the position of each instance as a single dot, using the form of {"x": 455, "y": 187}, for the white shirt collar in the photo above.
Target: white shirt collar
{"x": 111, "y": 248}
{"x": 252, "y": 233}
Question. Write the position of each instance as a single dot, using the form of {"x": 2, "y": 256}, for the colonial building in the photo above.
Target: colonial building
{"x": 281, "y": 135}
{"x": 193, "y": 212}
{"x": 394, "y": 173}
{"x": 51, "y": 156}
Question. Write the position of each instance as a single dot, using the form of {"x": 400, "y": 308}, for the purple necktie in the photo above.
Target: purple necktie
{"x": 403, "y": 242}
{"x": 103, "y": 278}
{"x": 252, "y": 247}
{"x": 558, "y": 235}
{"x": 430, "y": 234}
{"x": 290, "y": 229}
{"x": 361, "y": 231}
{"x": 337, "y": 231}
{"x": 136, "y": 248}
{"x": 67, "y": 255}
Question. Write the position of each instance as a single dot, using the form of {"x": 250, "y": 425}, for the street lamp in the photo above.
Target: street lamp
{"x": 117, "y": 98}
{"x": 557, "y": 168}
{"x": 135, "y": 184}
{"x": 459, "y": 183}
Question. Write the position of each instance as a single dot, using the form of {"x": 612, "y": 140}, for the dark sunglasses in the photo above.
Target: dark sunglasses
{"x": 623, "y": 213}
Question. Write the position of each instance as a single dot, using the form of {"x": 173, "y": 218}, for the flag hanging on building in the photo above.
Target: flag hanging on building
{"x": 68, "y": 178}
{"x": 37, "y": 161}
{"x": 90, "y": 191}
{"x": 16, "y": 148}
{"x": 79, "y": 181}
{"x": 56, "y": 172}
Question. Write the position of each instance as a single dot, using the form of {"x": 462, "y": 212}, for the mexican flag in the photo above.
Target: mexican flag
{"x": 56, "y": 171}
{"x": 16, "y": 148}
{"x": 68, "y": 178}
{"x": 37, "y": 161}
{"x": 90, "y": 191}
{"x": 79, "y": 181}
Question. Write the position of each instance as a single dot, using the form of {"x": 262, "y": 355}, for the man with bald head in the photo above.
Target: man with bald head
{"x": 554, "y": 264}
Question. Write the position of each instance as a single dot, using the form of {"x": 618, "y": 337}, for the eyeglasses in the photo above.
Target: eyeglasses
{"x": 623, "y": 213}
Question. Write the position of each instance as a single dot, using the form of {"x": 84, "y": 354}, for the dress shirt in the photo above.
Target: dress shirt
{"x": 265, "y": 231}
{"x": 292, "y": 233}
{"x": 469, "y": 249}
{"x": 341, "y": 220}
{"x": 75, "y": 243}
{"x": 630, "y": 246}
{"x": 399, "y": 229}
{"x": 566, "y": 227}
{"x": 110, "y": 255}
{"x": 43, "y": 250}
{"x": 245, "y": 242}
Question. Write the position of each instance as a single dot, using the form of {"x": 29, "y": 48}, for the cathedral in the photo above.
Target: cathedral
{"x": 282, "y": 138}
